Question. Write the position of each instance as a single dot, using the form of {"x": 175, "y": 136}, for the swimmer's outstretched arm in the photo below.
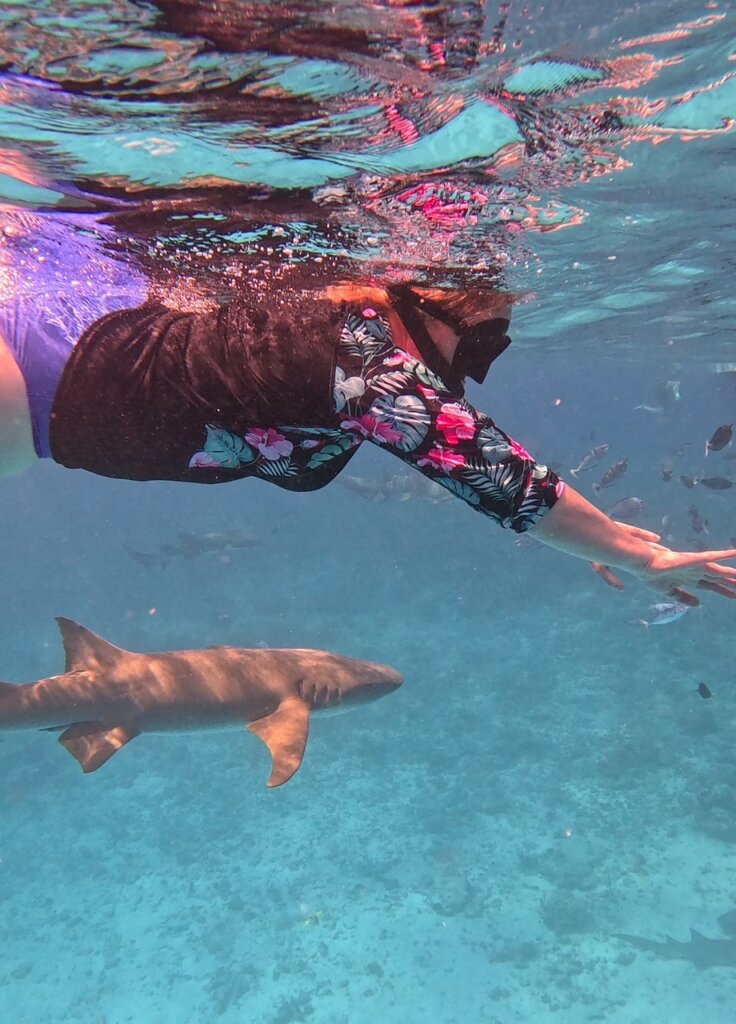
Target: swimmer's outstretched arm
{"x": 575, "y": 526}
{"x": 393, "y": 400}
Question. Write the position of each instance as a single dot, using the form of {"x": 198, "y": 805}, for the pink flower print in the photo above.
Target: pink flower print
{"x": 519, "y": 451}
{"x": 373, "y": 429}
{"x": 269, "y": 443}
{"x": 428, "y": 393}
{"x": 369, "y": 313}
{"x": 440, "y": 458}
{"x": 455, "y": 423}
{"x": 398, "y": 358}
{"x": 203, "y": 460}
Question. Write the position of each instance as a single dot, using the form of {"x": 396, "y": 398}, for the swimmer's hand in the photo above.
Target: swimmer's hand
{"x": 674, "y": 572}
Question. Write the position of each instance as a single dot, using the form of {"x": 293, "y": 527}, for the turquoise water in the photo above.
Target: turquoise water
{"x": 513, "y": 835}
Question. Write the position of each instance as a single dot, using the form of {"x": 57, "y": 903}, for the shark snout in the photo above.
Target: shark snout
{"x": 375, "y": 681}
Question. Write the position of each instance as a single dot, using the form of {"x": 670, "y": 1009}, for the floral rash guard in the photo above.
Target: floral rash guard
{"x": 384, "y": 395}
{"x": 148, "y": 393}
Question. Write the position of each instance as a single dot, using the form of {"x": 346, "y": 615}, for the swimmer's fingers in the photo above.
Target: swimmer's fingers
{"x": 724, "y": 589}
{"x": 683, "y": 597}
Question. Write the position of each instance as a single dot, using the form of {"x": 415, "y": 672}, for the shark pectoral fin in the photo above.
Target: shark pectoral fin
{"x": 285, "y": 734}
{"x": 92, "y": 745}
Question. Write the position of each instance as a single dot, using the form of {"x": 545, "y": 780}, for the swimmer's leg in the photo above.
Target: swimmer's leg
{"x": 385, "y": 395}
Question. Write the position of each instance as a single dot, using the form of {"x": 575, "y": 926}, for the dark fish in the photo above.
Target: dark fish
{"x": 666, "y": 471}
{"x": 704, "y": 692}
{"x": 626, "y": 509}
{"x": 720, "y": 439}
{"x": 716, "y": 483}
{"x": 147, "y": 558}
{"x": 697, "y": 522}
{"x": 688, "y": 481}
{"x": 590, "y": 459}
{"x": 612, "y": 474}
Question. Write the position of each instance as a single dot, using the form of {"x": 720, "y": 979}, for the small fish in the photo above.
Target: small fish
{"x": 590, "y": 459}
{"x": 413, "y": 485}
{"x": 704, "y": 692}
{"x": 666, "y": 470}
{"x": 626, "y": 509}
{"x": 667, "y": 392}
{"x": 716, "y": 483}
{"x": 697, "y": 522}
{"x": 665, "y": 612}
{"x": 403, "y": 486}
{"x": 371, "y": 490}
{"x": 665, "y": 528}
{"x": 649, "y": 408}
{"x": 671, "y": 390}
{"x": 214, "y": 542}
{"x": 721, "y": 437}
{"x": 189, "y": 545}
{"x": 688, "y": 481}
{"x": 612, "y": 474}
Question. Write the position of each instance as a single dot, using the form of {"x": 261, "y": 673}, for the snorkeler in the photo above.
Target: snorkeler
{"x": 106, "y": 368}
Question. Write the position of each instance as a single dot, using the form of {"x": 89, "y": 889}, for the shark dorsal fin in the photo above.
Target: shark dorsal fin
{"x": 285, "y": 734}
{"x": 84, "y": 649}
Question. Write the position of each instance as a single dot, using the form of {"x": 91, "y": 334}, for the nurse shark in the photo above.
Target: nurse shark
{"x": 107, "y": 696}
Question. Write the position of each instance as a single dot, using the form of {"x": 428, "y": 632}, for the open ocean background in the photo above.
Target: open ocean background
{"x": 513, "y": 835}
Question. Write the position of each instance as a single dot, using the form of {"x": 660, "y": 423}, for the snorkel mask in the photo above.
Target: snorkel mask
{"x": 478, "y": 346}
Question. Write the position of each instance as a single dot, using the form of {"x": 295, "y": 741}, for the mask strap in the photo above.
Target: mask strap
{"x": 407, "y": 306}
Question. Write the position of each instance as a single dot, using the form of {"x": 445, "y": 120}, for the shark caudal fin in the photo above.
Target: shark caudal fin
{"x": 85, "y": 650}
{"x": 285, "y": 734}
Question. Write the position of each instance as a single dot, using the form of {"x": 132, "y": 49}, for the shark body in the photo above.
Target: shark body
{"x": 700, "y": 951}
{"x": 107, "y": 696}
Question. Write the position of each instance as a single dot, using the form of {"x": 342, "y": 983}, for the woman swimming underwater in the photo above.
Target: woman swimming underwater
{"x": 107, "y": 367}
